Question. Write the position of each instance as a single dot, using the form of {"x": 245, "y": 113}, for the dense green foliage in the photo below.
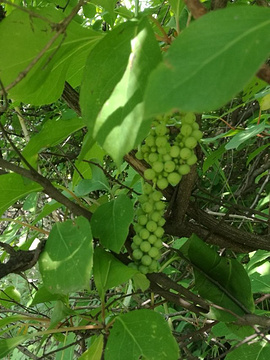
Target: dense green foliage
{"x": 134, "y": 179}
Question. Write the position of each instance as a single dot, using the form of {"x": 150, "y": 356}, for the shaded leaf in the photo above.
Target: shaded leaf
{"x": 110, "y": 222}
{"x": 244, "y": 135}
{"x": 109, "y": 272}
{"x": 94, "y": 352}
{"x": 141, "y": 333}
{"x": 252, "y": 351}
{"x": 66, "y": 262}
{"x": 14, "y": 187}
{"x": 210, "y": 61}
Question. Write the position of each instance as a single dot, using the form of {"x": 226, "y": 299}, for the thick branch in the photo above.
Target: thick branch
{"x": 48, "y": 188}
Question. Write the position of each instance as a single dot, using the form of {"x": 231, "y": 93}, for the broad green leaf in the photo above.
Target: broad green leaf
{"x": 141, "y": 334}
{"x": 210, "y": 61}
{"x": 112, "y": 106}
{"x": 9, "y": 296}
{"x": 60, "y": 312}
{"x": 109, "y": 272}
{"x": 66, "y": 262}
{"x": 7, "y": 345}
{"x": 43, "y": 295}
{"x": 252, "y": 88}
{"x": 110, "y": 222}
{"x": 260, "y": 283}
{"x": 221, "y": 280}
{"x": 244, "y": 135}
{"x": 23, "y": 37}
{"x": 213, "y": 157}
{"x": 253, "y": 351}
{"x": 256, "y": 152}
{"x": 14, "y": 187}
{"x": 97, "y": 182}
{"x": 94, "y": 352}
{"x": 52, "y": 133}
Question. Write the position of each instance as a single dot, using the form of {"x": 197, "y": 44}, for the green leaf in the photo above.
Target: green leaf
{"x": 94, "y": 352}
{"x": 14, "y": 187}
{"x": 213, "y": 157}
{"x": 98, "y": 181}
{"x": 221, "y": 280}
{"x": 52, "y": 133}
{"x": 141, "y": 333}
{"x": 23, "y": 38}
{"x": 43, "y": 295}
{"x": 210, "y": 61}
{"x": 7, "y": 345}
{"x": 9, "y": 296}
{"x": 66, "y": 262}
{"x": 110, "y": 222}
{"x": 253, "y": 351}
{"x": 244, "y": 135}
{"x": 112, "y": 106}
{"x": 109, "y": 272}
{"x": 256, "y": 152}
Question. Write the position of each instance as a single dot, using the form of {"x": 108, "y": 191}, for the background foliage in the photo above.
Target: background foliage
{"x": 82, "y": 84}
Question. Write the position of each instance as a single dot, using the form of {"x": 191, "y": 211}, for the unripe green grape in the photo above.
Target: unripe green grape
{"x": 153, "y": 157}
{"x": 145, "y": 149}
{"x": 132, "y": 265}
{"x": 156, "y": 195}
{"x": 162, "y": 150}
{"x": 159, "y": 232}
{"x": 143, "y": 269}
{"x": 162, "y": 183}
{"x": 137, "y": 240}
{"x": 153, "y": 252}
{"x": 153, "y": 266}
{"x": 144, "y": 234}
{"x": 161, "y": 129}
{"x": 160, "y": 205}
{"x": 146, "y": 157}
{"x": 195, "y": 126}
{"x": 150, "y": 140}
{"x": 146, "y": 260}
{"x": 186, "y": 129}
{"x": 149, "y": 174}
{"x": 190, "y": 142}
{"x": 197, "y": 134}
{"x": 152, "y": 239}
{"x": 185, "y": 153}
{"x": 166, "y": 157}
{"x": 157, "y": 166}
{"x": 153, "y": 149}
{"x": 155, "y": 216}
{"x": 161, "y": 141}
{"x": 189, "y": 118}
{"x": 134, "y": 246}
{"x": 174, "y": 151}
{"x": 139, "y": 155}
{"x": 143, "y": 198}
{"x": 142, "y": 219}
{"x": 139, "y": 211}
{"x": 158, "y": 244}
{"x": 147, "y": 207}
{"x": 151, "y": 226}
{"x": 161, "y": 222}
{"x": 147, "y": 188}
{"x": 145, "y": 246}
{"x": 137, "y": 254}
{"x": 174, "y": 178}
{"x": 192, "y": 160}
{"x": 169, "y": 166}
{"x": 137, "y": 228}
{"x": 184, "y": 169}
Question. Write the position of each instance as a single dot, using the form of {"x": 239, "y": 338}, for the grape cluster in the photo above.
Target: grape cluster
{"x": 170, "y": 157}
{"x": 149, "y": 230}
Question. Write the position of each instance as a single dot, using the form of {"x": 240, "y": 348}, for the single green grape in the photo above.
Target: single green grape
{"x": 155, "y": 216}
{"x": 151, "y": 226}
{"x": 189, "y": 118}
{"x": 197, "y": 134}
{"x": 142, "y": 219}
{"x": 134, "y": 246}
{"x": 185, "y": 153}
{"x": 161, "y": 141}
{"x": 144, "y": 234}
{"x": 174, "y": 178}
{"x": 153, "y": 157}
{"x": 174, "y": 151}
{"x": 143, "y": 269}
{"x": 184, "y": 169}
{"x": 169, "y": 166}
{"x": 145, "y": 246}
{"x": 190, "y": 142}
{"x": 161, "y": 129}
{"x": 139, "y": 155}
{"x": 137, "y": 240}
{"x": 146, "y": 260}
{"x": 152, "y": 239}
{"x": 149, "y": 174}
{"x": 157, "y": 166}
{"x": 153, "y": 266}
{"x": 186, "y": 129}
{"x": 159, "y": 232}
{"x": 160, "y": 205}
{"x": 150, "y": 140}
{"x": 156, "y": 195}
{"x": 158, "y": 244}
{"x": 147, "y": 207}
{"x": 162, "y": 183}
{"x": 132, "y": 265}
{"x": 143, "y": 198}
{"x": 147, "y": 188}
{"x": 161, "y": 222}
{"x": 166, "y": 157}
{"x": 153, "y": 252}
{"x": 145, "y": 148}
{"x": 192, "y": 160}
{"x": 137, "y": 254}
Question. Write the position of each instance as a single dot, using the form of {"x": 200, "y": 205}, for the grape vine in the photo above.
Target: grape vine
{"x": 170, "y": 155}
